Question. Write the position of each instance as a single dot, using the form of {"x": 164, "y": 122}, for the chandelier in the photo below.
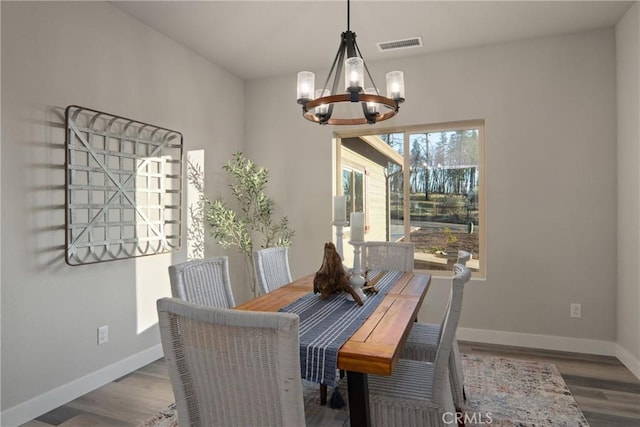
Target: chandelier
{"x": 318, "y": 104}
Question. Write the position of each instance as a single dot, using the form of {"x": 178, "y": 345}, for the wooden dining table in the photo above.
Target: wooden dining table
{"x": 376, "y": 346}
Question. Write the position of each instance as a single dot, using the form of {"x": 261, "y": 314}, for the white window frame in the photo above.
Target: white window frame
{"x": 430, "y": 128}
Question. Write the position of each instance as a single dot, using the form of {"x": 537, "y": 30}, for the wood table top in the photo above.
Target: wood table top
{"x": 376, "y": 346}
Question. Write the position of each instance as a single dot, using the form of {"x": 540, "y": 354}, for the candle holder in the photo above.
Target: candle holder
{"x": 339, "y": 233}
{"x": 356, "y": 279}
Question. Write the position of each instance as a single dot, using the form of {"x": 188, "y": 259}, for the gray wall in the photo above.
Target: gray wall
{"x": 628, "y": 67}
{"x": 549, "y": 106}
{"x": 91, "y": 54}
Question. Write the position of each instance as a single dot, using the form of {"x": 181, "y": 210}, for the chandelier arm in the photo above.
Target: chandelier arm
{"x": 336, "y": 78}
{"x": 336, "y": 81}
{"x": 366, "y": 68}
{"x": 337, "y": 60}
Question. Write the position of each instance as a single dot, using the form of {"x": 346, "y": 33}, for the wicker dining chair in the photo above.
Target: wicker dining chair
{"x": 418, "y": 393}
{"x": 388, "y": 255}
{"x": 422, "y": 344}
{"x": 271, "y": 266}
{"x": 232, "y": 367}
{"x": 204, "y": 282}
{"x": 463, "y": 257}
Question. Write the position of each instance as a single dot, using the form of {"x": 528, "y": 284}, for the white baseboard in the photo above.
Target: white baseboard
{"x": 551, "y": 342}
{"x": 628, "y": 360}
{"x": 546, "y": 342}
{"x": 59, "y": 396}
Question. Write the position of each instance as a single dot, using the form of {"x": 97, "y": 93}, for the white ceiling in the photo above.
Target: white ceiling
{"x": 254, "y": 39}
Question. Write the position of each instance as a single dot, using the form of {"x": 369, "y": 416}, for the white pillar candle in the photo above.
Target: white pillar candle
{"x": 357, "y": 226}
{"x": 339, "y": 209}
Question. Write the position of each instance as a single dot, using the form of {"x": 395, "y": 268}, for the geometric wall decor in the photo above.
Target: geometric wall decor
{"x": 123, "y": 187}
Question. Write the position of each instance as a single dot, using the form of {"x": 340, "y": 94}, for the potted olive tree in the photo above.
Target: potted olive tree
{"x": 249, "y": 224}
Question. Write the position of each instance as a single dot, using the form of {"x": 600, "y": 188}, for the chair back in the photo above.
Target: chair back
{"x": 272, "y": 268}
{"x": 449, "y": 325}
{"x": 463, "y": 257}
{"x": 388, "y": 255}
{"x": 232, "y": 367}
{"x": 203, "y": 281}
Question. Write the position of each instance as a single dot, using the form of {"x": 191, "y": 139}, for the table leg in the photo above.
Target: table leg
{"x": 358, "y": 385}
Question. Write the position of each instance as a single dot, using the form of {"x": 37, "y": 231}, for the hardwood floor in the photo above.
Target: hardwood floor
{"x": 122, "y": 403}
{"x": 606, "y": 391}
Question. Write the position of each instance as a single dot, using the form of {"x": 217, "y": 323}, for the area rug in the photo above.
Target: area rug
{"x": 500, "y": 392}
{"x": 510, "y": 392}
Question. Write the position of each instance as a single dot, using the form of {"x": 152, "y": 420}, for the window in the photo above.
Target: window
{"x": 434, "y": 193}
{"x": 353, "y": 190}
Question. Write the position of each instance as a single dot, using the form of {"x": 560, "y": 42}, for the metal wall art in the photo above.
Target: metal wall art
{"x": 123, "y": 187}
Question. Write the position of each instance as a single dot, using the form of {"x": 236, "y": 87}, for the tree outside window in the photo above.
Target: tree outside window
{"x": 443, "y": 175}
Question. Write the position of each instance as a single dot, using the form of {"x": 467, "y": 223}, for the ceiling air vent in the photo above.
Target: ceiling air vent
{"x": 400, "y": 44}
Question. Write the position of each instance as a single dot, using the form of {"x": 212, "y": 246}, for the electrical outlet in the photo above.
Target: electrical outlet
{"x": 103, "y": 335}
{"x": 576, "y": 310}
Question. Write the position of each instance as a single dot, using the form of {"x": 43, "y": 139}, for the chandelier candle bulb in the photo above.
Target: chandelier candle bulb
{"x": 353, "y": 73}
{"x": 339, "y": 209}
{"x": 372, "y": 107}
{"x": 357, "y": 226}
{"x": 322, "y": 108}
{"x": 395, "y": 85}
{"x": 306, "y": 85}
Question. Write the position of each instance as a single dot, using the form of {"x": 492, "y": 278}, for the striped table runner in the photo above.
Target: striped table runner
{"x": 325, "y": 325}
